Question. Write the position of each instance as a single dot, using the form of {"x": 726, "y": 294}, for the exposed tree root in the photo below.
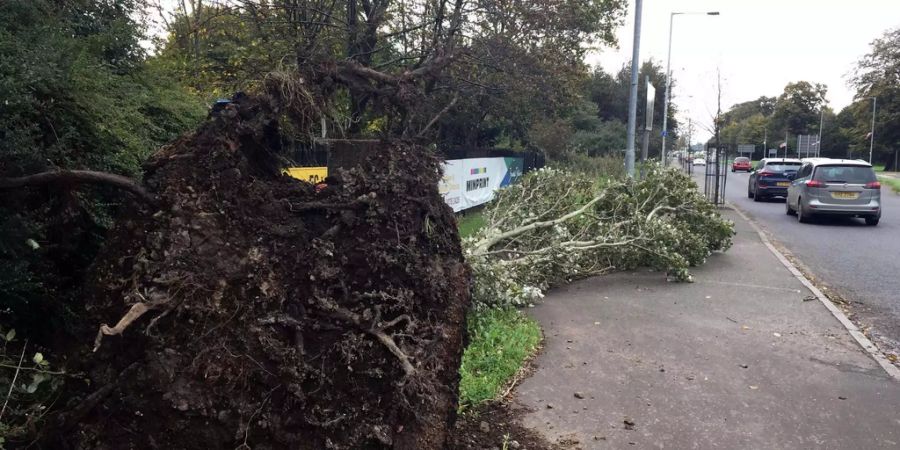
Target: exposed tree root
{"x": 79, "y": 177}
{"x": 377, "y": 332}
{"x": 135, "y": 312}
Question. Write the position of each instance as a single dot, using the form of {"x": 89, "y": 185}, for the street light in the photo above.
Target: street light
{"x": 665, "y": 130}
{"x": 872, "y": 133}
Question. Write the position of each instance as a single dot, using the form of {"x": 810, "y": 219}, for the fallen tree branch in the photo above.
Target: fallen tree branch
{"x": 79, "y": 177}
{"x": 485, "y": 245}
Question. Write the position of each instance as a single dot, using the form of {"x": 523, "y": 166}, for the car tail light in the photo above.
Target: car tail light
{"x": 766, "y": 174}
{"x": 815, "y": 184}
{"x": 873, "y": 185}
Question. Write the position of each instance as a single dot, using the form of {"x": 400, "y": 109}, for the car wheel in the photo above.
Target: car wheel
{"x": 749, "y": 192}
{"x": 802, "y": 217}
{"x": 756, "y": 196}
{"x": 787, "y": 208}
{"x": 872, "y": 220}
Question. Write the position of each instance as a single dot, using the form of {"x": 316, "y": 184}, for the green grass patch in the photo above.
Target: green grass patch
{"x": 893, "y": 183}
{"x": 500, "y": 340}
{"x": 878, "y": 167}
{"x": 470, "y": 223}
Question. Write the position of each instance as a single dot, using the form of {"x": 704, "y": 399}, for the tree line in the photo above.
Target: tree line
{"x": 802, "y": 109}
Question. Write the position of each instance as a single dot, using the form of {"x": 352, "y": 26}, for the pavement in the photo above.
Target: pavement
{"x": 858, "y": 262}
{"x": 744, "y": 357}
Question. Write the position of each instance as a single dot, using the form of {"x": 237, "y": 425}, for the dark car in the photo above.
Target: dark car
{"x": 740, "y": 163}
{"x": 772, "y": 177}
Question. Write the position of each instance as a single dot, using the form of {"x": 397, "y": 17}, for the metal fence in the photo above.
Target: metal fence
{"x": 716, "y": 175}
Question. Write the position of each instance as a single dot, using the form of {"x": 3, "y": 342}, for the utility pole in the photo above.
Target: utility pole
{"x": 821, "y": 123}
{"x": 872, "y": 133}
{"x": 667, "y": 95}
{"x": 765, "y": 143}
{"x": 632, "y": 98}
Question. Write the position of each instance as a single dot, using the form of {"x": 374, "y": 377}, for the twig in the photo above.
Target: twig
{"x": 48, "y": 372}
{"x": 439, "y": 115}
{"x": 13, "y": 383}
{"x": 311, "y": 206}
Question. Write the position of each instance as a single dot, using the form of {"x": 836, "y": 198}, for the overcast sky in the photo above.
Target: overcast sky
{"x": 758, "y": 45}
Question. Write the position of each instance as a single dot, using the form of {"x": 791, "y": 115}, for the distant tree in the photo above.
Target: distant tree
{"x": 878, "y": 75}
{"x": 797, "y": 108}
{"x": 610, "y": 94}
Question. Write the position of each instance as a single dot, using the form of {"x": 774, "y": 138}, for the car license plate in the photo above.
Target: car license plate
{"x": 845, "y": 195}
{"x": 783, "y": 184}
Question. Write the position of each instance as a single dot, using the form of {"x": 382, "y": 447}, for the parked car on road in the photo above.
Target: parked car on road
{"x": 699, "y": 162}
{"x": 771, "y": 178}
{"x": 836, "y": 187}
{"x": 740, "y": 163}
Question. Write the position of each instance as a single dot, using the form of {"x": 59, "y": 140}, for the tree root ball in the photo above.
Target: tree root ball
{"x": 275, "y": 316}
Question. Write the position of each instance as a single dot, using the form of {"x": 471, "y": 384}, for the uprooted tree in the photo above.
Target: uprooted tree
{"x": 236, "y": 307}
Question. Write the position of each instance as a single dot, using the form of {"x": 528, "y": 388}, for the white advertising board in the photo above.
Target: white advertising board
{"x": 472, "y": 181}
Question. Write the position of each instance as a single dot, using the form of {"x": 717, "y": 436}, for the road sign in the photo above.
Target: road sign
{"x": 746, "y": 148}
{"x": 807, "y": 145}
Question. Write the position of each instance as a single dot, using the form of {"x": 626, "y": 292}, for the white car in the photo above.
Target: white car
{"x": 699, "y": 162}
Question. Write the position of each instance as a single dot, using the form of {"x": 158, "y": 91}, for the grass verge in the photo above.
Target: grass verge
{"x": 470, "y": 223}
{"x": 500, "y": 341}
{"x": 892, "y": 182}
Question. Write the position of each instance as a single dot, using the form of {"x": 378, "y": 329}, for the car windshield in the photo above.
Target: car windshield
{"x": 741, "y": 160}
{"x": 845, "y": 174}
{"x": 783, "y": 166}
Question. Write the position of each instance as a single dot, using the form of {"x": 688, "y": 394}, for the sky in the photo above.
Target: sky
{"x": 758, "y": 46}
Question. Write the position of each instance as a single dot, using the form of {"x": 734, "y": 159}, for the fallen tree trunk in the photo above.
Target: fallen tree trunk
{"x": 259, "y": 313}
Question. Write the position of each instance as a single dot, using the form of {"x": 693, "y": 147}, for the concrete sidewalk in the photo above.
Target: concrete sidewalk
{"x": 740, "y": 359}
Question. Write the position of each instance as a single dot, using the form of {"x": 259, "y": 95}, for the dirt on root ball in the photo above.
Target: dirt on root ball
{"x": 267, "y": 315}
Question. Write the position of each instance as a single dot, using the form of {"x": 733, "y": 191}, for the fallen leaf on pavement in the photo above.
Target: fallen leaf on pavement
{"x": 754, "y": 387}
{"x": 776, "y": 334}
{"x": 745, "y": 327}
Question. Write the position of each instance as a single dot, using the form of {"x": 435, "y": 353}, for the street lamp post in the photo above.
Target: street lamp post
{"x": 872, "y": 133}
{"x": 632, "y": 97}
{"x": 665, "y": 130}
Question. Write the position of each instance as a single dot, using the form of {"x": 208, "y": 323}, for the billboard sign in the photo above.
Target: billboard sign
{"x": 472, "y": 181}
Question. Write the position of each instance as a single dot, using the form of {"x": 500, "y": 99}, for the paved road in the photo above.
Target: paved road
{"x": 859, "y": 262}
{"x": 736, "y": 360}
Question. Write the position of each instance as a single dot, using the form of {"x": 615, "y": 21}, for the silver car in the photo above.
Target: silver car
{"x": 835, "y": 187}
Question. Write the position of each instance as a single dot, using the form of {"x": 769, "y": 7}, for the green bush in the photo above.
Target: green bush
{"x": 556, "y": 226}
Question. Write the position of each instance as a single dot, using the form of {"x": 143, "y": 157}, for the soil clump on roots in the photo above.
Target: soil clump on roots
{"x": 251, "y": 311}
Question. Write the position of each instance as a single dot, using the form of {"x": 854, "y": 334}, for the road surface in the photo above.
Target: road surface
{"x": 859, "y": 262}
